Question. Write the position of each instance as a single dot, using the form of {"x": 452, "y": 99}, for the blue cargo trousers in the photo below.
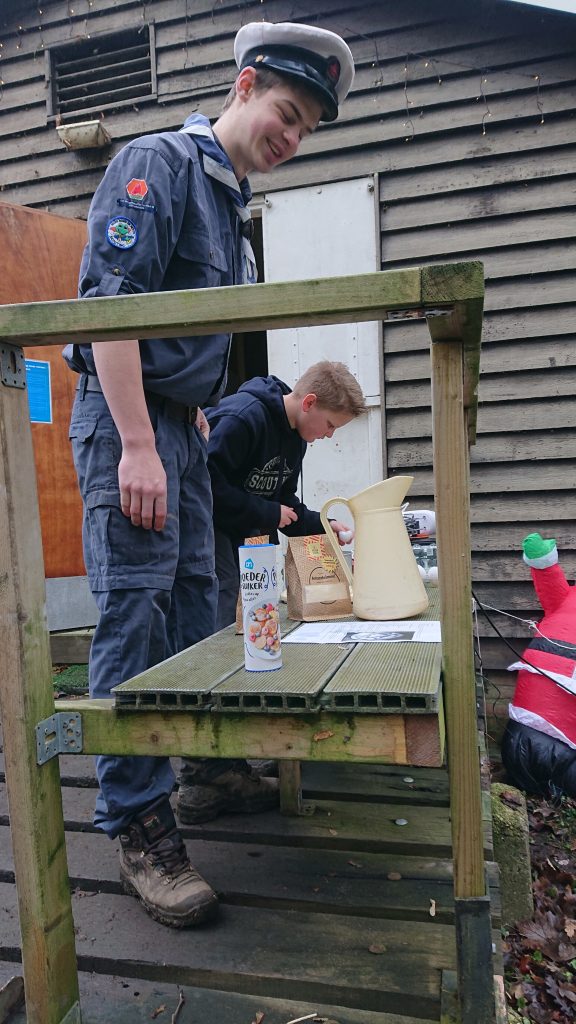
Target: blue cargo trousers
{"x": 156, "y": 591}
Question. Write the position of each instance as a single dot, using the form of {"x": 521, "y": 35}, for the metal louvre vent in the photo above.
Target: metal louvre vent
{"x": 102, "y": 72}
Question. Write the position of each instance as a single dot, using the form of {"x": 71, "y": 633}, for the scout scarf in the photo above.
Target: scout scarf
{"x": 217, "y": 165}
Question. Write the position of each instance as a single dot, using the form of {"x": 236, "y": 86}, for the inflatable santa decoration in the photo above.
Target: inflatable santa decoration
{"x": 539, "y": 745}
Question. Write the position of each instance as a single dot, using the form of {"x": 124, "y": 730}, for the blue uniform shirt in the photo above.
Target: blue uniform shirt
{"x": 160, "y": 222}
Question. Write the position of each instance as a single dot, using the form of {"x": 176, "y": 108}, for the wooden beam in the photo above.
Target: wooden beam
{"x": 26, "y": 698}
{"x": 323, "y": 736}
{"x": 211, "y": 310}
{"x": 71, "y": 647}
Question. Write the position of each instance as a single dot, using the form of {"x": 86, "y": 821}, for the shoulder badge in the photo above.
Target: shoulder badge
{"x": 137, "y": 189}
{"x": 121, "y": 233}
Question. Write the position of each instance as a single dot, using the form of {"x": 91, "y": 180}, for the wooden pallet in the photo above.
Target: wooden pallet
{"x": 342, "y": 912}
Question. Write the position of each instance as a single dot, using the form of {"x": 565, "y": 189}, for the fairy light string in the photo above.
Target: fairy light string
{"x": 85, "y": 9}
{"x": 408, "y": 123}
{"x": 487, "y": 112}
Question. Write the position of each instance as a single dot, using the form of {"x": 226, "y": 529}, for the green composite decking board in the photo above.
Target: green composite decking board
{"x": 186, "y": 680}
{"x": 295, "y": 687}
{"x": 364, "y": 677}
{"x": 189, "y": 676}
{"x": 387, "y": 677}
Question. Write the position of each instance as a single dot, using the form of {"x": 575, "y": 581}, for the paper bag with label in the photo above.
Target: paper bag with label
{"x": 316, "y": 585}
{"x": 264, "y": 539}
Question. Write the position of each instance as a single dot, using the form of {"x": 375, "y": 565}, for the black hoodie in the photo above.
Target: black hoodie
{"x": 250, "y": 438}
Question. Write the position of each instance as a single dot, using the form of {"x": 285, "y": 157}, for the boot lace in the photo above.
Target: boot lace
{"x": 168, "y": 857}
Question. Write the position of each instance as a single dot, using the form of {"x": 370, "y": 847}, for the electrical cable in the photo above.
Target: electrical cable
{"x": 534, "y": 668}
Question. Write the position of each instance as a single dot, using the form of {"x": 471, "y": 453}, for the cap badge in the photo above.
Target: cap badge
{"x": 259, "y": 58}
{"x": 137, "y": 188}
{"x": 333, "y": 69}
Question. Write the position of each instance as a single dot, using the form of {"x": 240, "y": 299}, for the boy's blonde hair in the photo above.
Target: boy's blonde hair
{"x": 336, "y": 389}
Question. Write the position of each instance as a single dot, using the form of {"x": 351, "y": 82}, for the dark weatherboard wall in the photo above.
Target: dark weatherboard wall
{"x": 465, "y": 110}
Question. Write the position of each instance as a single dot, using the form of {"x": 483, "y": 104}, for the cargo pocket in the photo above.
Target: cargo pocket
{"x": 96, "y": 452}
{"x": 82, "y": 428}
{"x": 117, "y": 547}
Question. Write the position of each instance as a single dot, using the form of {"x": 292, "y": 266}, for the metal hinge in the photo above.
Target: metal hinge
{"x": 12, "y": 366}
{"x": 59, "y": 734}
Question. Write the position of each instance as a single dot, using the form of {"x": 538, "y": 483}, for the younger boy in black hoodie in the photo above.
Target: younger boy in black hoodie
{"x": 258, "y": 439}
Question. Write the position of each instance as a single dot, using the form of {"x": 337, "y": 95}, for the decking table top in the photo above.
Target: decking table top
{"x": 394, "y": 678}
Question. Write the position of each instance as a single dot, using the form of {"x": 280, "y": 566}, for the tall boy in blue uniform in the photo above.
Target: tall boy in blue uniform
{"x": 171, "y": 212}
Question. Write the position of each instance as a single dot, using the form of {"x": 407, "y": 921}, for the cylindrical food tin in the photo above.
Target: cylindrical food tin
{"x": 259, "y": 590}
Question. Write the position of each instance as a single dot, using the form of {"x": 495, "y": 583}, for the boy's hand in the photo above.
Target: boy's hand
{"x": 287, "y": 516}
{"x": 341, "y": 528}
{"x": 142, "y": 483}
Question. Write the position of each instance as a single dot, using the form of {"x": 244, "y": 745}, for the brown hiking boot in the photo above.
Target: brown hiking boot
{"x": 154, "y": 866}
{"x": 232, "y": 792}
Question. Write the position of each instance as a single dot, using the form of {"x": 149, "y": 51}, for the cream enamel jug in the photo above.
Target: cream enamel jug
{"x": 386, "y": 582}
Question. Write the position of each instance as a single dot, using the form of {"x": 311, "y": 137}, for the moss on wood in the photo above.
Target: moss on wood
{"x": 511, "y": 852}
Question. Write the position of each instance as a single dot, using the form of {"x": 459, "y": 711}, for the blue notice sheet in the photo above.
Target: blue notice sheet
{"x": 39, "y": 392}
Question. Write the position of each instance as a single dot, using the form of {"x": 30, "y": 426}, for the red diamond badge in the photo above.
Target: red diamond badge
{"x": 137, "y": 188}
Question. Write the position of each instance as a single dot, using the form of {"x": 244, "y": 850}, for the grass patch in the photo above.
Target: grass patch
{"x": 70, "y": 679}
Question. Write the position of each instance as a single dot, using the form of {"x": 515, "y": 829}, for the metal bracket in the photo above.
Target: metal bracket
{"x": 73, "y": 1015}
{"x": 59, "y": 734}
{"x": 12, "y": 366}
{"x": 417, "y": 313}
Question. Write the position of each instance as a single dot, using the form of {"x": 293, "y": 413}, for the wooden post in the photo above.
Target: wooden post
{"x": 290, "y": 776}
{"x": 26, "y": 697}
{"x": 451, "y": 481}
{"x": 451, "y": 430}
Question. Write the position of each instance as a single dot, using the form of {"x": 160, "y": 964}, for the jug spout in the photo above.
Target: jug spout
{"x": 388, "y": 493}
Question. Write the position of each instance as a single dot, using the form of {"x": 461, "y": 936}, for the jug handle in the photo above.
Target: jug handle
{"x": 332, "y": 536}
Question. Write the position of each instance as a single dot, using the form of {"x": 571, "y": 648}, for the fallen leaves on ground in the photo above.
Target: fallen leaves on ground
{"x": 540, "y": 954}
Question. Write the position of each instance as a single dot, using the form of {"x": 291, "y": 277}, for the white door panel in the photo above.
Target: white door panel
{"x": 326, "y": 231}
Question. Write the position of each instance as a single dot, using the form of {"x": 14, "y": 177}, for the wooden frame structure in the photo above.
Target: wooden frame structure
{"x": 451, "y": 299}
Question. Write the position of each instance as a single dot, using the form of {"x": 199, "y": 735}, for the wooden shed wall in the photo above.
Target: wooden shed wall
{"x": 467, "y": 113}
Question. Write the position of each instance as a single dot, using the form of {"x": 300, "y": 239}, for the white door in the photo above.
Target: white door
{"x": 327, "y": 231}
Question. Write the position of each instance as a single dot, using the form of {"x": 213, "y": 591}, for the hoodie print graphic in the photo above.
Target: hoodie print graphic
{"x": 264, "y": 480}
